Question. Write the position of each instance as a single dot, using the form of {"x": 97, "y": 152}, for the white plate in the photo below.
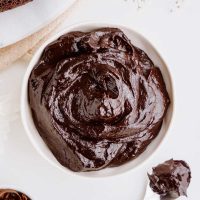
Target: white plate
{"x": 18, "y": 23}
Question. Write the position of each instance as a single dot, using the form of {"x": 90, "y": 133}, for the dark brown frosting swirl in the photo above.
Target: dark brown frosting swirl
{"x": 96, "y": 99}
{"x": 171, "y": 178}
{"x": 9, "y": 194}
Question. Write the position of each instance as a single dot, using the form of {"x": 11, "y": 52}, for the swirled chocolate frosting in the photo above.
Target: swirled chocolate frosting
{"x": 9, "y": 194}
{"x": 96, "y": 99}
{"x": 171, "y": 178}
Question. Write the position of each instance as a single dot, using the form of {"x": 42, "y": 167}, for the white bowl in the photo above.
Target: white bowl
{"x": 137, "y": 40}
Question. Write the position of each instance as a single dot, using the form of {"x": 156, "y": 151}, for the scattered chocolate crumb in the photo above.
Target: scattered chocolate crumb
{"x": 174, "y": 4}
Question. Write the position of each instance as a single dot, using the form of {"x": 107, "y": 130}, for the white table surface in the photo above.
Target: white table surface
{"x": 176, "y": 34}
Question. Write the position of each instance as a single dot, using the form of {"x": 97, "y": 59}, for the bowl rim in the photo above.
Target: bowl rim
{"x": 24, "y": 98}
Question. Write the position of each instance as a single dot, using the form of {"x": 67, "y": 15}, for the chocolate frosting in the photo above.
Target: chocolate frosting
{"x": 171, "y": 179}
{"x": 9, "y": 194}
{"x": 96, "y": 99}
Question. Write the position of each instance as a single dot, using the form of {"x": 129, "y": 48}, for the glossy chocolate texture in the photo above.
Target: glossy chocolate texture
{"x": 9, "y": 194}
{"x": 96, "y": 99}
{"x": 171, "y": 178}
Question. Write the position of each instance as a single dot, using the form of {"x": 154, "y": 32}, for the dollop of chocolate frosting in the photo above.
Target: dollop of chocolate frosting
{"x": 171, "y": 179}
{"x": 9, "y": 194}
{"x": 96, "y": 99}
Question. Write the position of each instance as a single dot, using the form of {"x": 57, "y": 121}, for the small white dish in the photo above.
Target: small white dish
{"x": 137, "y": 40}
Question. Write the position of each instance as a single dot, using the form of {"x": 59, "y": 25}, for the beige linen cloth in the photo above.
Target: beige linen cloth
{"x": 26, "y": 47}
